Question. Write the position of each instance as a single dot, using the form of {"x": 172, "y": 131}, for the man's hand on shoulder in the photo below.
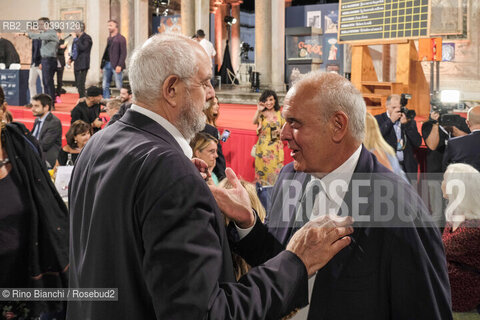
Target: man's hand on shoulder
{"x": 320, "y": 240}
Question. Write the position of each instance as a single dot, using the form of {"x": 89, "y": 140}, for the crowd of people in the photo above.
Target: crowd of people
{"x": 154, "y": 212}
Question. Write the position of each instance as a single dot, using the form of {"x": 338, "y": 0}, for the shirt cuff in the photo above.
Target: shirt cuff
{"x": 242, "y": 233}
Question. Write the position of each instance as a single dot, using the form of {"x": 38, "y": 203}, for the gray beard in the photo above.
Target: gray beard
{"x": 190, "y": 121}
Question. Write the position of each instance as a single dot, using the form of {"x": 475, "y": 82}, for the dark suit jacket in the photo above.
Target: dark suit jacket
{"x": 50, "y": 138}
{"x": 464, "y": 149}
{"x": 144, "y": 221}
{"x": 391, "y": 270}
{"x": 409, "y": 131}
{"x": 117, "y": 51}
{"x": 84, "y": 46}
{"x": 36, "y": 57}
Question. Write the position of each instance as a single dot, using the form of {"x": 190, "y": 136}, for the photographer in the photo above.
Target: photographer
{"x": 436, "y": 135}
{"x": 399, "y": 129}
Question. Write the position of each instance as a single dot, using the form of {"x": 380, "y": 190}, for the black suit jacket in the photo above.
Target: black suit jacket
{"x": 395, "y": 269}
{"x": 409, "y": 131}
{"x": 50, "y": 138}
{"x": 464, "y": 149}
{"x": 144, "y": 221}
{"x": 84, "y": 46}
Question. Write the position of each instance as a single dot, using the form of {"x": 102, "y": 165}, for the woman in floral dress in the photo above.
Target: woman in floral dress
{"x": 269, "y": 147}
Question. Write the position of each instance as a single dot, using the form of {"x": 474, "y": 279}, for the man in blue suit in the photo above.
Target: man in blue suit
{"x": 395, "y": 267}
{"x": 465, "y": 149}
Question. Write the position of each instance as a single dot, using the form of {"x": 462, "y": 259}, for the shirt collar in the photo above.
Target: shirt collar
{"x": 343, "y": 173}
{"x": 44, "y": 116}
{"x": 167, "y": 126}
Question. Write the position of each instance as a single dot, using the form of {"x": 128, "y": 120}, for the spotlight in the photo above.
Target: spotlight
{"x": 230, "y": 20}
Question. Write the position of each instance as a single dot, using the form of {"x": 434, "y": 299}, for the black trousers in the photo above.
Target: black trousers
{"x": 80, "y": 78}
{"x": 58, "y": 92}
{"x": 49, "y": 66}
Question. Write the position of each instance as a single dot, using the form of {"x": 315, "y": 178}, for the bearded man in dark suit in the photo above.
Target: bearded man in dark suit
{"x": 144, "y": 221}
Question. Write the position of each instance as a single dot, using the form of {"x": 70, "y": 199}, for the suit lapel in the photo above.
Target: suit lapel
{"x": 146, "y": 124}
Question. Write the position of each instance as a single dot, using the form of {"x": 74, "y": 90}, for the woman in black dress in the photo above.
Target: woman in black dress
{"x": 77, "y": 136}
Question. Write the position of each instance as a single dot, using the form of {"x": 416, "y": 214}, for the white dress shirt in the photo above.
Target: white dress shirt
{"x": 208, "y": 46}
{"x": 328, "y": 201}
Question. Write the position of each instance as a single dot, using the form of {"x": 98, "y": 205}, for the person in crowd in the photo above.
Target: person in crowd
{"x": 138, "y": 173}
{"x": 126, "y": 95}
{"x": 240, "y": 266}
{"x": 35, "y": 68}
{"x": 80, "y": 55}
{"x": 113, "y": 60}
{"x": 204, "y": 146}
{"x": 375, "y": 143}
{"x": 112, "y": 107}
{"x": 461, "y": 237}
{"x": 5, "y": 114}
{"x": 62, "y": 45}
{"x": 77, "y": 137}
{"x": 48, "y": 52}
{"x": 8, "y": 53}
{"x": 212, "y": 113}
{"x": 436, "y": 138}
{"x": 465, "y": 149}
{"x": 47, "y": 128}
{"x": 401, "y": 134}
{"x": 89, "y": 109}
{"x": 395, "y": 260}
{"x": 269, "y": 148}
{"x": 206, "y": 45}
{"x": 33, "y": 220}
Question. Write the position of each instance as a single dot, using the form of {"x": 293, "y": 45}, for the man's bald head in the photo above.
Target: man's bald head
{"x": 473, "y": 118}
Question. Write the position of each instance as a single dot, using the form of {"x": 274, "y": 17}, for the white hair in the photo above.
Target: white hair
{"x": 335, "y": 93}
{"x": 158, "y": 58}
{"x": 462, "y": 183}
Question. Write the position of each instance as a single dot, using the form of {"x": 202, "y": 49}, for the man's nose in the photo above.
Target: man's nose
{"x": 210, "y": 92}
{"x": 286, "y": 132}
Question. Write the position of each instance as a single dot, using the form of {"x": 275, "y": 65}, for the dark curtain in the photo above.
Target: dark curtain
{"x": 227, "y": 65}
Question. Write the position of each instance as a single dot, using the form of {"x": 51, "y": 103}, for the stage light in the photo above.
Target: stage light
{"x": 450, "y": 96}
{"x": 230, "y": 20}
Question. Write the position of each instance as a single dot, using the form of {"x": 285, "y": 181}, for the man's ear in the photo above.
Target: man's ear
{"x": 339, "y": 126}
{"x": 170, "y": 89}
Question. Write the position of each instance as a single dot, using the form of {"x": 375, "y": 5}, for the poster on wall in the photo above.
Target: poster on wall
{"x": 167, "y": 24}
{"x": 333, "y": 54}
{"x": 331, "y": 22}
{"x": 314, "y": 19}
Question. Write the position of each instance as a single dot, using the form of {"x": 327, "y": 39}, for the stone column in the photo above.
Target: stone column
{"x": 127, "y": 25}
{"x": 263, "y": 41}
{"x": 235, "y": 38}
{"x": 278, "y": 45}
{"x": 187, "y": 12}
{"x": 220, "y": 34}
{"x": 141, "y": 22}
{"x": 202, "y": 16}
{"x": 97, "y": 12}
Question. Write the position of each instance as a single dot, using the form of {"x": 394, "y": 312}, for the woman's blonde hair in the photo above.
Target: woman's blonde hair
{"x": 211, "y": 117}
{"x": 201, "y": 141}
{"x": 462, "y": 184}
{"x": 373, "y": 137}
{"x": 240, "y": 266}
